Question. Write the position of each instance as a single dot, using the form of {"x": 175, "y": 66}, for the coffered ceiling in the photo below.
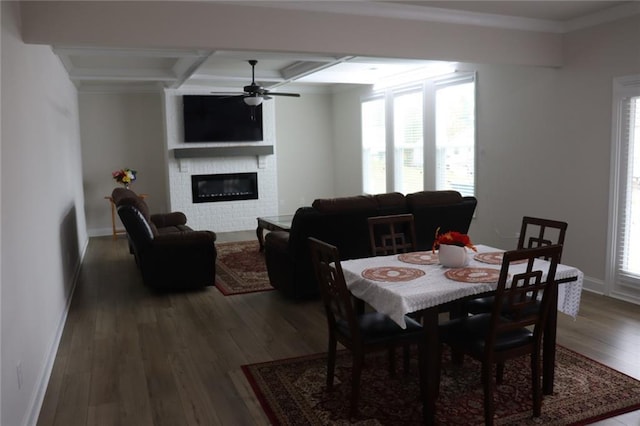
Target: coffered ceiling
{"x": 117, "y": 70}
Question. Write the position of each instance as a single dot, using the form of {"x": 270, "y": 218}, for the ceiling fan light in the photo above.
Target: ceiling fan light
{"x": 253, "y": 100}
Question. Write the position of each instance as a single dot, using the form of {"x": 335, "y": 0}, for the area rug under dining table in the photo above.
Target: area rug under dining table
{"x": 293, "y": 392}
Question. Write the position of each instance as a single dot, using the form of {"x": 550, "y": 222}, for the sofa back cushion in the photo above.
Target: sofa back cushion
{"x": 429, "y": 217}
{"x": 347, "y": 230}
{"x": 390, "y": 203}
{"x": 341, "y": 205}
{"x": 432, "y": 198}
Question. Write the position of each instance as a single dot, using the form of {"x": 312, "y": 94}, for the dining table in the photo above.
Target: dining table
{"x": 415, "y": 282}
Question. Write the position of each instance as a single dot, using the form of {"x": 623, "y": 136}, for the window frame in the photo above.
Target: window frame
{"x": 624, "y": 88}
{"x": 428, "y": 87}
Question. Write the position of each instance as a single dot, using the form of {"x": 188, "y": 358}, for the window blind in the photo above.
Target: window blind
{"x": 408, "y": 142}
{"x": 628, "y": 230}
{"x": 374, "y": 158}
{"x": 455, "y": 137}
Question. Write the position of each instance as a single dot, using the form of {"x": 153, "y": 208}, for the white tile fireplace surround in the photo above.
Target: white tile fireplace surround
{"x": 222, "y": 216}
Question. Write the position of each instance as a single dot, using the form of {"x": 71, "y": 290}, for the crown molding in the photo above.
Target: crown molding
{"x": 383, "y": 9}
{"x": 609, "y": 15}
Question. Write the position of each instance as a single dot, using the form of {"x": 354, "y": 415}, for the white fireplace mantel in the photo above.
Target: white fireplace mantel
{"x": 223, "y": 151}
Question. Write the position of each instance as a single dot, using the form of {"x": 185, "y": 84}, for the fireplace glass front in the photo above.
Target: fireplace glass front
{"x": 224, "y": 187}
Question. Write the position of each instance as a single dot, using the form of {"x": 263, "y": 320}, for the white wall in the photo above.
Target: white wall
{"x": 43, "y": 222}
{"x": 304, "y": 150}
{"x": 347, "y": 145}
{"x": 517, "y": 134}
{"x": 121, "y": 130}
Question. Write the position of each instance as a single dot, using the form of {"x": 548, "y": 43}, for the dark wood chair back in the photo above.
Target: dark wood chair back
{"x": 538, "y": 232}
{"x": 392, "y": 234}
{"x": 525, "y": 296}
{"x": 336, "y": 297}
{"x": 534, "y": 232}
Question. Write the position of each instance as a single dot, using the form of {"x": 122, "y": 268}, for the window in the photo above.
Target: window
{"x": 420, "y": 137}
{"x": 455, "y": 141}
{"x": 408, "y": 141}
{"x": 373, "y": 146}
{"x": 624, "y": 223}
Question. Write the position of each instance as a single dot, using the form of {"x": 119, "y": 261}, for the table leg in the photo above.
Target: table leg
{"x": 113, "y": 220}
{"x": 549, "y": 345}
{"x": 260, "y": 235}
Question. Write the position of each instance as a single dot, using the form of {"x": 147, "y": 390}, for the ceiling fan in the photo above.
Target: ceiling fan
{"x": 254, "y": 94}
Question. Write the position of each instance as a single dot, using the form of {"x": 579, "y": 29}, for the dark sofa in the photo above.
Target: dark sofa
{"x": 169, "y": 253}
{"x": 343, "y": 222}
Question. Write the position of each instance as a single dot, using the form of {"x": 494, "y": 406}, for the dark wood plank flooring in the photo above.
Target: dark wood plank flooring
{"x": 129, "y": 356}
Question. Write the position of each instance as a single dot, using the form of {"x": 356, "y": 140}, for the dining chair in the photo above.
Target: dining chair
{"x": 538, "y": 232}
{"x": 359, "y": 333}
{"x": 392, "y": 234}
{"x": 493, "y": 338}
{"x": 534, "y": 232}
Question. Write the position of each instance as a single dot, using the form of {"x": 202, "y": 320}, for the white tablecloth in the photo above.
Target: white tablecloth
{"x": 397, "y": 299}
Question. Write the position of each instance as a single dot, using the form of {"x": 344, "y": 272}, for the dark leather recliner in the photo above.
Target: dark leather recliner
{"x": 169, "y": 253}
{"x": 342, "y": 222}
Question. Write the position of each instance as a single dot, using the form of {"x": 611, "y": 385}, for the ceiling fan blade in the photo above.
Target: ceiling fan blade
{"x": 255, "y": 90}
{"x": 295, "y": 95}
{"x": 228, "y": 93}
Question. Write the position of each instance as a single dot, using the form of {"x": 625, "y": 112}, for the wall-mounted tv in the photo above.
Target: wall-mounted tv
{"x": 209, "y": 118}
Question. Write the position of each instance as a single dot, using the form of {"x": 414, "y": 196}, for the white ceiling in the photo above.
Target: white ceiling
{"x": 100, "y": 70}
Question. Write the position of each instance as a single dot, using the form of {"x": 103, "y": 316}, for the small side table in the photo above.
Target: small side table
{"x": 272, "y": 223}
{"x": 115, "y": 231}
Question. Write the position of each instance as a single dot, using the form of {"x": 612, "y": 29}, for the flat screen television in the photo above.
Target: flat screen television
{"x": 210, "y": 118}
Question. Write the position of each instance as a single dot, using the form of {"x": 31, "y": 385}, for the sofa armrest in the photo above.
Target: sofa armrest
{"x": 278, "y": 241}
{"x": 279, "y": 261}
{"x": 185, "y": 239}
{"x": 180, "y": 260}
{"x": 162, "y": 220}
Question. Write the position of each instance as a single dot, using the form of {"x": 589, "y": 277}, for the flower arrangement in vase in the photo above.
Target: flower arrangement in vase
{"x": 452, "y": 248}
{"x": 124, "y": 176}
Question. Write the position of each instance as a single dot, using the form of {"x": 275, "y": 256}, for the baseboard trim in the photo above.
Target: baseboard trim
{"x": 99, "y": 232}
{"x": 594, "y": 285}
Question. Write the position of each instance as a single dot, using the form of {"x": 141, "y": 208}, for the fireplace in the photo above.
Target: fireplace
{"x": 224, "y": 187}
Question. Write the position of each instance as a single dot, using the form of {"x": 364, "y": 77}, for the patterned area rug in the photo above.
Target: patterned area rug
{"x": 292, "y": 392}
{"x": 240, "y": 268}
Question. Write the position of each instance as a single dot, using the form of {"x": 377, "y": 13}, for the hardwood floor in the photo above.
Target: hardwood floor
{"x": 129, "y": 356}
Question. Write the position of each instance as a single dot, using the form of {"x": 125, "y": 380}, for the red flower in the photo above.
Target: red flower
{"x": 452, "y": 238}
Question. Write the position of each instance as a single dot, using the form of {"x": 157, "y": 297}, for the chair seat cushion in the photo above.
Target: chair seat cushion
{"x": 480, "y": 305}
{"x": 470, "y": 333}
{"x": 378, "y": 328}
{"x": 484, "y": 305}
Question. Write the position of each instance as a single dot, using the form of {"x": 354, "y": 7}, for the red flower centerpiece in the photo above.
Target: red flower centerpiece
{"x": 452, "y": 238}
{"x": 452, "y": 248}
